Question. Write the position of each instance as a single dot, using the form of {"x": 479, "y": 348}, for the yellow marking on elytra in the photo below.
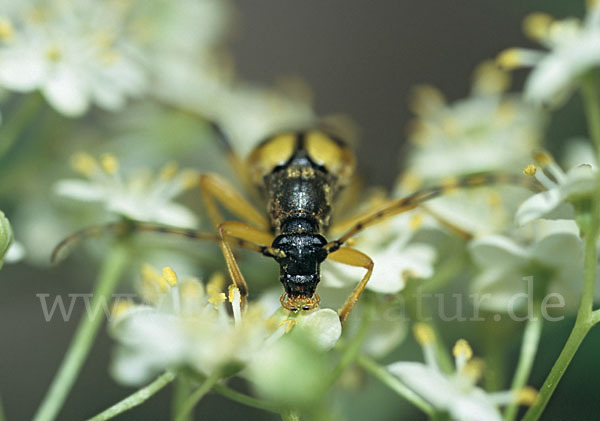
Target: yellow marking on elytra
{"x": 169, "y": 275}
{"x": 326, "y": 152}
{"x": 423, "y": 334}
{"x": 530, "y": 170}
{"x": 84, "y": 163}
{"x": 276, "y": 151}
{"x": 109, "y": 163}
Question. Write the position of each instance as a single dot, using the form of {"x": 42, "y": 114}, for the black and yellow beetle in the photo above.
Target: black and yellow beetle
{"x": 299, "y": 175}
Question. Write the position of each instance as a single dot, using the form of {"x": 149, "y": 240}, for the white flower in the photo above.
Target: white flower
{"x": 187, "y": 325}
{"x": 6, "y": 237}
{"x": 395, "y": 257}
{"x": 563, "y": 188}
{"x": 455, "y": 393}
{"x": 488, "y": 131}
{"x": 551, "y": 252}
{"x": 574, "y": 49}
{"x": 84, "y": 52}
{"x": 141, "y": 196}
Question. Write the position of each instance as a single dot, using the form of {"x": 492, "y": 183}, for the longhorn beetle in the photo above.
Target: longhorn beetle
{"x": 299, "y": 175}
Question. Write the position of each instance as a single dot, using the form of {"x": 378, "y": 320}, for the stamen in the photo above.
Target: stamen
{"x": 416, "y": 221}
{"x": 527, "y": 396}
{"x": 120, "y": 307}
{"x": 214, "y": 288}
{"x": 514, "y": 58}
{"x": 423, "y": 334}
{"x": 426, "y": 100}
{"x": 169, "y": 275}
{"x": 473, "y": 370}
{"x": 537, "y": 26}
{"x": 7, "y": 30}
{"x": 289, "y": 324}
{"x": 462, "y": 354}
{"x": 53, "y": 54}
{"x": 490, "y": 79}
{"x": 168, "y": 171}
{"x": 190, "y": 178}
{"x": 547, "y": 162}
{"x": 236, "y": 303}
{"x": 109, "y": 163}
{"x": 151, "y": 276}
{"x": 84, "y": 163}
{"x": 529, "y": 170}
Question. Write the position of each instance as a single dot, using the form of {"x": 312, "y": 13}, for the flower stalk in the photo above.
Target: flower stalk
{"x": 136, "y": 398}
{"x": 87, "y": 330}
{"x": 590, "y": 224}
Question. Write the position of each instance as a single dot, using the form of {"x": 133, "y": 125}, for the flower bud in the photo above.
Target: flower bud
{"x": 6, "y": 237}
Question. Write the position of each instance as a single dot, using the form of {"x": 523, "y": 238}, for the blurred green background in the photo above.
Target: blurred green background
{"x": 361, "y": 59}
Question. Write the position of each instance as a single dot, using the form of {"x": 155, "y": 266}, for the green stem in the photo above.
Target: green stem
{"x": 84, "y": 336}
{"x": 290, "y": 415}
{"x": 17, "y": 121}
{"x": 234, "y": 395}
{"x": 529, "y": 346}
{"x": 591, "y": 102}
{"x": 195, "y": 397}
{"x": 180, "y": 394}
{"x": 351, "y": 351}
{"x": 396, "y": 385}
{"x": 136, "y": 398}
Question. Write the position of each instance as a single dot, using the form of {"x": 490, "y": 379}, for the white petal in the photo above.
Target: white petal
{"x": 79, "y": 190}
{"x": 497, "y": 250}
{"x": 174, "y": 214}
{"x": 15, "y": 252}
{"x": 66, "y": 91}
{"x": 538, "y": 205}
{"x": 324, "y": 326}
{"x": 21, "y": 70}
{"x": 475, "y": 406}
{"x": 429, "y": 383}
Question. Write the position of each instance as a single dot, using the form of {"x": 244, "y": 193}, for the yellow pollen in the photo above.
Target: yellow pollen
{"x": 410, "y": 182}
{"x": 426, "y": 99}
{"x": 530, "y": 170}
{"x": 423, "y": 334}
{"x": 474, "y": 369}
{"x": 190, "y": 178}
{"x": 232, "y": 292}
{"x": 169, "y": 170}
{"x": 120, "y": 307}
{"x": 7, "y": 30}
{"x": 289, "y": 324}
{"x": 527, "y": 396}
{"x": 169, "y": 275}
{"x": 509, "y": 59}
{"x": 84, "y": 163}
{"x": 462, "y": 348}
{"x": 109, "y": 163}
{"x": 190, "y": 289}
{"x": 418, "y": 133}
{"x": 537, "y": 26}
{"x": 217, "y": 299}
{"x": 590, "y": 4}
{"x": 416, "y": 221}
{"x": 543, "y": 158}
{"x": 215, "y": 284}
{"x": 151, "y": 276}
{"x": 53, "y": 54}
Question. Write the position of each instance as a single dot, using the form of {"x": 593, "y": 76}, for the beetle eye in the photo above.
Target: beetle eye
{"x": 293, "y": 309}
{"x": 306, "y": 308}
